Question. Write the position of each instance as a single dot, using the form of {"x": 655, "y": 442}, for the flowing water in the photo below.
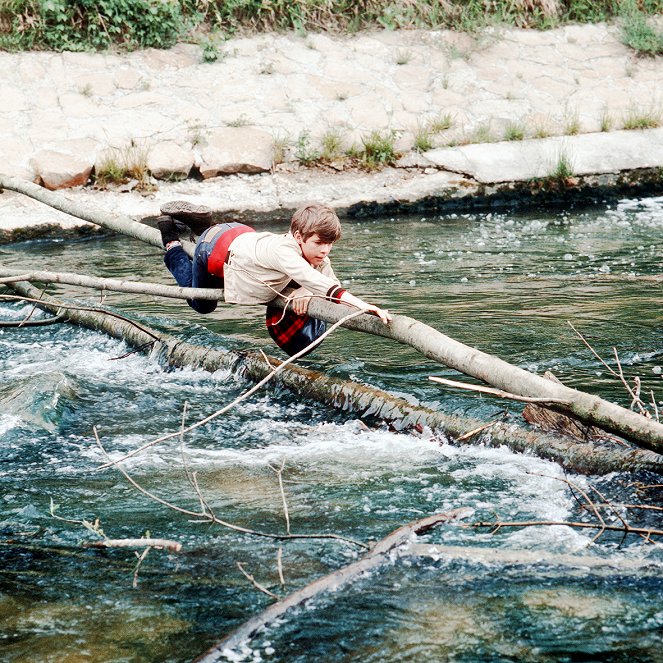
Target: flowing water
{"x": 507, "y": 284}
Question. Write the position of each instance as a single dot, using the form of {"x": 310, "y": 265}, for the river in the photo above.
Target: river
{"x": 505, "y": 283}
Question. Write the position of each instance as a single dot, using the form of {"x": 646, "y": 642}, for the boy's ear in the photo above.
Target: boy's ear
{"x": 298, "y": 236}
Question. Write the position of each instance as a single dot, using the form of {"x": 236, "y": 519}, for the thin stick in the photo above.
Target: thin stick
{"x": 210, "y": 518}
{"x": 90, "y": 309}
{"x": 619, "y": 375}
{"x": 635, "y": 395}
{"x": 241, "y": 397}
{"x": 567, "y": 523}
{"x": 279, "y": 566}
{"x": 255, "y": 583}
{"x": 191, "y": 476}
{"x": 34, "y": 323}
{"x": 279, "y": 474}
{"x": 575, "y": 486}
{"x": 497, "y": 392}
{"x": 141, "y": 557}
{"x": 653, "y": 402}
{"x": 469, "y": 434}
{"x": 164, "y": 544}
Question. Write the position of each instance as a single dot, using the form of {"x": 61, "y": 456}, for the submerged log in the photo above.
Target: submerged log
{"x": 364, "y": 401}
{"x": 590, "y": 409}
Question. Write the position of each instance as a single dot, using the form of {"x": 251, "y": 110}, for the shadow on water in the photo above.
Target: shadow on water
{"x": 507, "y": 284}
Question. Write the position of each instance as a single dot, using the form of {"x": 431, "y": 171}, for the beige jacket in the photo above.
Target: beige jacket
{"x": 262, "y": 264}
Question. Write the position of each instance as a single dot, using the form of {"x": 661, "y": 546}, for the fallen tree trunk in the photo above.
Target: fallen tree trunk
{"x": 367, "y": 402}
{"x": 376, "y": 557}
{"x": 431, "y": 343}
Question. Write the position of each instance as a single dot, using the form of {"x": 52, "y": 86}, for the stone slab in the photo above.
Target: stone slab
{"x": 523, "y": 160}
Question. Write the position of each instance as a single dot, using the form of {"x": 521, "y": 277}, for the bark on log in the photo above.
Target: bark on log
{"x": 428, "y": 341}
{"x": 377, "y": 556}
{"x": 365, "y": 401}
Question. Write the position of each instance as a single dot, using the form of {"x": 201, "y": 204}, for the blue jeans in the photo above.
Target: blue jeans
{"x": 192, "y": 274}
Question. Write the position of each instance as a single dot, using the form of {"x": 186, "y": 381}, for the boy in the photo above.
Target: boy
{"x": 254, "y": 267}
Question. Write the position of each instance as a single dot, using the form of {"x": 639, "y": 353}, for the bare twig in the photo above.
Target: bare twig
{"x": 279, "y": 566}
{"x": 471, "y": 433}
{"x": 498, "y": 392}
{"x": 141, "y": 557}
{"x": 279, "y": 474}
{"x": 210, "y": 518}
{"x": 255, "y": 583}
{"x": 575, "y": 486}
{"x": 33, "y": 323}
{"x": 377, "y": 556}
{"x": 549, "y": 523}
{"x": 241, "y": 397}
{"x": 73, "y": 307}
{"x": 653, "y": 402}
{"x": 164, "y": 544}
{"x": 619, "y": 375}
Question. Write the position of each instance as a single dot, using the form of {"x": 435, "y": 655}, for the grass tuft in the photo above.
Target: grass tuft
{"x": 121, "y": 165}
{"x": 379, "y": 150}
{"x": 641, "y": 119}
{"x": 514, "y": 131}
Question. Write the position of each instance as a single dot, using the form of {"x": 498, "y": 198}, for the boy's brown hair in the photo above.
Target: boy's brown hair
{"x": 320, "y": 219}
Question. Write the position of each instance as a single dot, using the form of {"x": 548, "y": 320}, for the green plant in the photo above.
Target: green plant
{"x": 77, "y": 26}
{"x": 281, "y": 144}
{"x": 197, "y": 134}
{"x": 304, "y": 152}
{"x": 423, "y": 139}
{"x": 571, "y": 124}
{"x": 240, "y": 121}
{"x": 378, "y": 150}
{"x": 642, "y": 119}
{"x": 606, "y": 121}
{"x": 482, "y": 134}
{"x": 562, "y": 169}
{"x": 638, "y": 34}
{"x": 441, "y": 123}
{"x": 209, "y": 50}
{"x": 332, "y": 144}
{"x": 120, "y": 165}
{"x": 514, "y": 131}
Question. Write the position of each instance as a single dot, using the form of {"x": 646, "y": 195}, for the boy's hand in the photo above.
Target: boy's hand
{"x": 300, "y": 299}
{"x": 382, "y": 313}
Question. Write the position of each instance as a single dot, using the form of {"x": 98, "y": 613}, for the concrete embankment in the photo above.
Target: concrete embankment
{"x": 507, "y": 117}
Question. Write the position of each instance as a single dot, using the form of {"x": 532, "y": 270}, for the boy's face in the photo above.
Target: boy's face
{"x": 314, "y": 249}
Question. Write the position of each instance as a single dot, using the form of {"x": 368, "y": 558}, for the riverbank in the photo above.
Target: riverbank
{"x": 503, "y": 118}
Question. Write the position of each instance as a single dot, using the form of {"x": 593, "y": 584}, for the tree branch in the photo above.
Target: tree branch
{"x": 377, "y": 556}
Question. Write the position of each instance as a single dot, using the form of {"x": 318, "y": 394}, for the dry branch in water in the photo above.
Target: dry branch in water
{"x": 645, "y": 532}
{"x": 161, "y": 544}
{"x": 377, "y": 556}
{"x": 205, "y": 516}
